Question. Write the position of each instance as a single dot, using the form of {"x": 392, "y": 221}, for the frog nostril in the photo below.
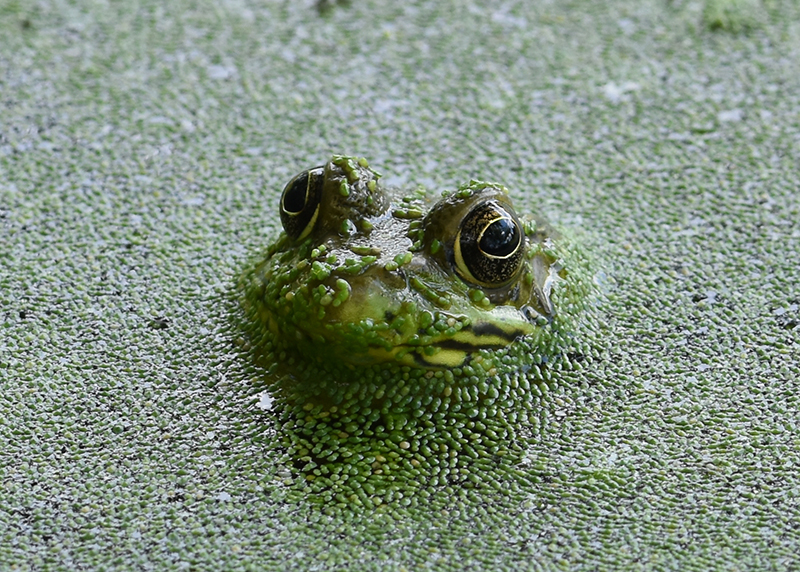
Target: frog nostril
{"x": 300, "y": 203}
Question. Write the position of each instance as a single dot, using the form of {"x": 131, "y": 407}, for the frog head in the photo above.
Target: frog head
{"x": 363, "y": 275}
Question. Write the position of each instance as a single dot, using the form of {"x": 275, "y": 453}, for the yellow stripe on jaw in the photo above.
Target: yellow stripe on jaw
{"x": 483, "y": 341}
{"x": 465, "y": 343}
{"x": 413, "y": 356}
{"x": 444, "y": 358}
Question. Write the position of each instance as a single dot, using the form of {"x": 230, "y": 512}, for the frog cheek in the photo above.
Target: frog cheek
{"x": 489, "y": 245}
{"x": 300, "y": 203}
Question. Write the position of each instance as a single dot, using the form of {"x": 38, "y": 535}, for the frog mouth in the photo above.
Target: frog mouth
{"x": 453, "y": 351}
{"x": 483, "y": 333}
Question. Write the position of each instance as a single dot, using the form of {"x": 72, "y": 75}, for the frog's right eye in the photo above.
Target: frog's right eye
{"x": 300, "y": 203}
{"x": 489, "y": 245}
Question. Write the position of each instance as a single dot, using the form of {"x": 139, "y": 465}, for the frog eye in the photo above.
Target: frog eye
{"x": 489, "y": 245}
{"x": 300, "y": 203}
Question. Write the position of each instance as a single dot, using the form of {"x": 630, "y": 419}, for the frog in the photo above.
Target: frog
{"x": 395, "y": 327}
{"x": 365, "y": 275}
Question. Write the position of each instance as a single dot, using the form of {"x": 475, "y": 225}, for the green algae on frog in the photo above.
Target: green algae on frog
{"x": 406, "y": 339}
{"x": 361, "y": 276}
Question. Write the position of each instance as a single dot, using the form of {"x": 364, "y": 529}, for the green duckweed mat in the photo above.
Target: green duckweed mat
{"x": 142, "y": 149}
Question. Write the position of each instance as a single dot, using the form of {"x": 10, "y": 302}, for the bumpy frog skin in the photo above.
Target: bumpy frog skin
{"x": 397, "y": 328}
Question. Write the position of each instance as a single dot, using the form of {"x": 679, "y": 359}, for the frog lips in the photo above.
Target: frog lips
{"x": 455, "y": 351}
{"x": 480, "y": 336}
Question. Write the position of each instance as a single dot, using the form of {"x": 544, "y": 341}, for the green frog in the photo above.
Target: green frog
{"x": 362, "y": 275}
{"x": 406, "y": 336}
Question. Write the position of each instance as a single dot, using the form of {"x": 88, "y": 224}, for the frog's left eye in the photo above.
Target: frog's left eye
{"x": 489, "y": 245}
{"x": 300, "y": 203}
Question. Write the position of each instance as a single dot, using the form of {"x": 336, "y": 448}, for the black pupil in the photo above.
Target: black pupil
{"x": 294, "y": 199}
{"x": 500, "y": 238}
